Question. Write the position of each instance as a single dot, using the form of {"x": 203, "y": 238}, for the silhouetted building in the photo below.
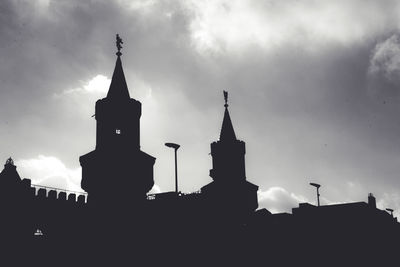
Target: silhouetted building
{"x": 348, "y": 234}
{"x": 229, "y": 195}
{"x": 118, "y": 225}
{"x": 117, "y": 170}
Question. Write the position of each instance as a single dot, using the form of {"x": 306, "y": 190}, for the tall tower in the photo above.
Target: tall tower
{"x": 230, "y": 194}
{"x": 117, "y": 170}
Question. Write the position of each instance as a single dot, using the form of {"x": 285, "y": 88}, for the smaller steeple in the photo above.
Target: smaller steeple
{"x": 227, "y": 131}
{"x": 229, "y": 185}
{"x": 9, "y": 176}
{"x": 118, "y": 87}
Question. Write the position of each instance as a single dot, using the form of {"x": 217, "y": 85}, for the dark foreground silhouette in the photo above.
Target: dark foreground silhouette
{"x": 118, "y": 224}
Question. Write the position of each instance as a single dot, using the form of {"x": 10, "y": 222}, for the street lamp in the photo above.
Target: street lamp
{"x": 175, "y": 147}
{"x": 316, "y": 186}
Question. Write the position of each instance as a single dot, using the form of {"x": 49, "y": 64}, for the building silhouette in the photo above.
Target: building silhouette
{"x": 119, "y": 223}
{"x": 230, "y": 196}
{"x": 117, "y": 152}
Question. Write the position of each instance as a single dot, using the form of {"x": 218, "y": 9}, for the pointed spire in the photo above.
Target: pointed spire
{"x": 118, "y": 87}
{"x": 227, "y": 131}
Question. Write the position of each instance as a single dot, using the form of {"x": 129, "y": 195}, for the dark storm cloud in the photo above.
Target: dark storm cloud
{"x": 313, "y": 87}
{"x": 48, "y": 49}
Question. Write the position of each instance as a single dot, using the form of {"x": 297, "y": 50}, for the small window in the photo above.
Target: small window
{"x": 117, "y": 131}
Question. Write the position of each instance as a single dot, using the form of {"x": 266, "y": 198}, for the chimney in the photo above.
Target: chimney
{"x": 371, "y": 201}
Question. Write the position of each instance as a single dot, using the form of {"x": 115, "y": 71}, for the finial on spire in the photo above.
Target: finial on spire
{"x": 9, "y": 161}
{"x": 119, "y": 46}
{"x": 226, "y": 98}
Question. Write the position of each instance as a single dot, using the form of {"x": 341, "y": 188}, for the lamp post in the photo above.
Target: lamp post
{"x": 316, "y": 186}
{"x": 175, "y": 147}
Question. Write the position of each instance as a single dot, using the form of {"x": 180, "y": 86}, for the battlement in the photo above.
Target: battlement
{"x": 41, "y": 192}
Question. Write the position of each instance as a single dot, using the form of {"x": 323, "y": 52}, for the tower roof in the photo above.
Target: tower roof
{"x": 227, "y": 131}
{"x": 118, "y": 87}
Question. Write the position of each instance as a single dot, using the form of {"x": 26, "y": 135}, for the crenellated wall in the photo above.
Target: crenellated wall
{"x": 55, "y": 213}
{"x": 43, "y": 192}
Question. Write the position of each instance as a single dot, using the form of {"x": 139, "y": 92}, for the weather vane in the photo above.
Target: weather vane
{"x": 226, "y": 98}
{"x": 119, "y": 46}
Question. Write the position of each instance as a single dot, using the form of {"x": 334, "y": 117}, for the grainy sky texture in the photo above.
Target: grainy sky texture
{"x": 314, "y": 90}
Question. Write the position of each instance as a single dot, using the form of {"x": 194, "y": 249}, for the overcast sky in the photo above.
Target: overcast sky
{"x": 314, "y": 90}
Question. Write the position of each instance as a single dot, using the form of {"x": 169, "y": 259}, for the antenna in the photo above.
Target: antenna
{"x": 316, "y": 186}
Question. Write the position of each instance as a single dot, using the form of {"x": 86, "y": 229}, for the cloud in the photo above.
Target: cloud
{"x": 277, "y": 199}
{"x": 99, "y": 84}
{"x": 49, "y": 171}
{"x": 383, "y": 76}
{"x": 230, "y": 25}
{"x": 385, "y": 59}
{"x": 390, "y": 200}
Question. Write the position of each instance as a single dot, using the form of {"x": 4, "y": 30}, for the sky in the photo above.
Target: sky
{"x": 314, "y": 90}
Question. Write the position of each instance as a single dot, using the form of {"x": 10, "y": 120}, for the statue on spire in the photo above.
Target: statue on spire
{"x": 119, "y": 46}
{"x": 226, "y": 98}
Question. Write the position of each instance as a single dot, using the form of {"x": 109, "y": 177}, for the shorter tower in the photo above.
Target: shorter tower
{"x": 230, "y": 195}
